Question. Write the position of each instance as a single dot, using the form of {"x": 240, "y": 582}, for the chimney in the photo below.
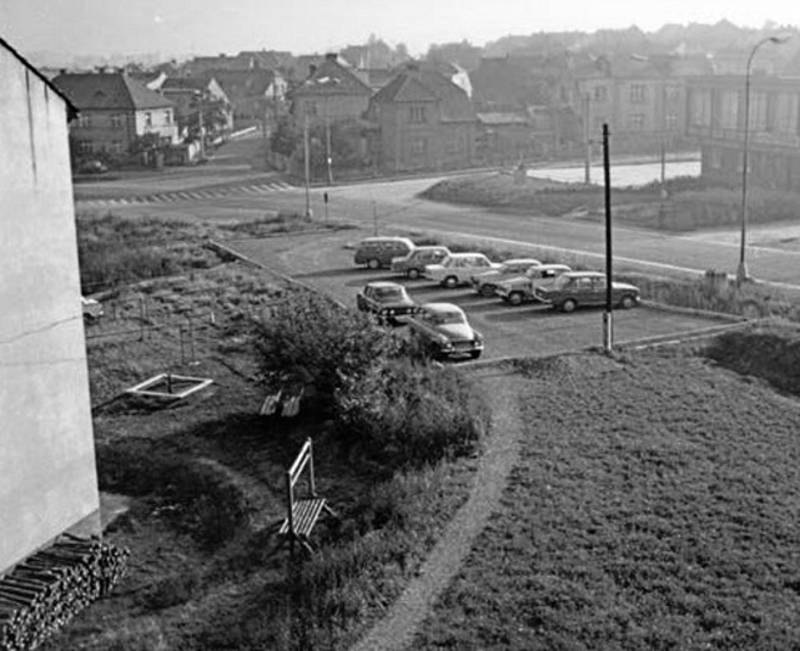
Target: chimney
{"x": 332, "y": 57}
{"x": 62, "y": 71}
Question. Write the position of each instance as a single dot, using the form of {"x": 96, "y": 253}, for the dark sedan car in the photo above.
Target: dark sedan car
{"x": 584, "y": 288}
{"x": 385, "y": 300}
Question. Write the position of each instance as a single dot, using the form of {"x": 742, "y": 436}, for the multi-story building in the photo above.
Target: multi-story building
{"x": 116, "y": 110}
{"x": 332, "y": 92}
{"x": 48, "y": 481}
{"x": 422, "y": 120}
{"x": 715, "y": 107}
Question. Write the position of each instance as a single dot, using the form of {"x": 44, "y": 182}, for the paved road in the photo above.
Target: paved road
{"x": 323, "y": 262}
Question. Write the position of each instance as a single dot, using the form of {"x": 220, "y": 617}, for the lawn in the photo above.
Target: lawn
{"x": 656, "y": 505}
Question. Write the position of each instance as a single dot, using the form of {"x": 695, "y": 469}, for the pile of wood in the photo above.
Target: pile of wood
{"x": 45, "y": 591}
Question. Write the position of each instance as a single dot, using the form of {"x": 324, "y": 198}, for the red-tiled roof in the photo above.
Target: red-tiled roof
{"x": 105, "y": 91}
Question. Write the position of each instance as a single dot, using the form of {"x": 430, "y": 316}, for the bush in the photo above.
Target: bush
{"x": 313, "y": 340}
{"x": 404, "y": 413}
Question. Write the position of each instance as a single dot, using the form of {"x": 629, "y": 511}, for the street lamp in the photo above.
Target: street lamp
{"x": 741, "y": 271}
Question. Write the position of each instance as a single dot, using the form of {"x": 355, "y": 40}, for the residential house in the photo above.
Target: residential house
{"x": 421, "y": 120}
{"x": 116, "y": 110}
{"x": 332, "y": 92}
{"x": 642, "y": 99}
{"x": 716, "y": 121}
{"x": 200, "y": 102}
{"x": 48, "y": 481}
{"x": 524, "y": 107}
{"x": 245, "y": 60}
{"x": 257, "y": 95}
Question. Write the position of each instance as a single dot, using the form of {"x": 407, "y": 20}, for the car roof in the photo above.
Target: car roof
{"x": 384, "y": 284}
{"x": 532, "y": 261}
{"x": 431, "y": 247}
{"x": 464, "y": 254}
{"x": 441, "y": 307}
{"x": 388, "y": 238}
{"x": 584, "y": 274}
{"x": 545, "y": 267}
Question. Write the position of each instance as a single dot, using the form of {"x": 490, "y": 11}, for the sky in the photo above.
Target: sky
{"x": 104, "y": 27}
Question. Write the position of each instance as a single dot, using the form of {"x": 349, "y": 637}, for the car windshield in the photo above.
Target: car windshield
{"x": 562, "y": 281}
{"x": 444, "y": 318}
{"x": 389, "y": 293}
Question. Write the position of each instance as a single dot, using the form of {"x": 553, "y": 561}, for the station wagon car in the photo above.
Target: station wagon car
{"x": 377, "y": 252}
{"x": 584, "y": 288}
{"x": 413, "y": 265}
{"x": 385, "y": 300}
{"x": 459, "y": 268}
{"x": 445, "y": 330}
{"x": 485, "y": 283}
{"x": 520, "y": 289}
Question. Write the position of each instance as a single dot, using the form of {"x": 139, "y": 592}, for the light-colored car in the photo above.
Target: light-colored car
{"x": 413, "y": 265}
{"x": 520, "y": 289}
{"x": 459, "y": 268}
{"x": 91, "y": 309}
{"x": 585, "y": 288}
{"x": 445, "y": 330}
{"x": 485, "y": 283}
{"x": 385, "y": 300}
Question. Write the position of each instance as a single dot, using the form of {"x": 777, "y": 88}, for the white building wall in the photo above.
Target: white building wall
{"x": 47, "y": 466}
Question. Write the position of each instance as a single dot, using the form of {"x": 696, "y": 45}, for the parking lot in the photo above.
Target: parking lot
{"x": 326, "y": 263}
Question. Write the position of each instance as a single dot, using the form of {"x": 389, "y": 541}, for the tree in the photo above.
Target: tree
{"x": 285, "y": 138}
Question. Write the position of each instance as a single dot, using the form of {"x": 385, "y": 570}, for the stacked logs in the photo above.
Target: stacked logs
{"x": 45, "y": 591}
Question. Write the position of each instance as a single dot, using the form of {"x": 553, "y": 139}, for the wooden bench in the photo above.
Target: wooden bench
{"x": 302, "y": 513}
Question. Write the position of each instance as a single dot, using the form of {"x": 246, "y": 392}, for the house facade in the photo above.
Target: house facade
{"x": 116, "y": 110}
{"x": 256, "y": 95}
{"x": 421, "y": 120}
{"x": 332, "y": 92}
{"x": 48, "y": 481}
{"x": 715, "y": 106}
{"x": 190, "y": 96}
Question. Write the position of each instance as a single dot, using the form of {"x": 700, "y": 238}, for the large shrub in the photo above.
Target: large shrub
{"x": 402, "y": 412}
{"x": 312, "y": 340}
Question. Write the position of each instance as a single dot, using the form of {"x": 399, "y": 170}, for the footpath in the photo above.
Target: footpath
{"x": 397, "y": 629}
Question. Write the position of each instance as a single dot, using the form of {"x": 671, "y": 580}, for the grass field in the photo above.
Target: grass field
{"x": 656, "y": 506}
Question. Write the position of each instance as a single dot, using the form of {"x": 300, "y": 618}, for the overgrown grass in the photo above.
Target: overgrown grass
{"x": 655, "y": 506}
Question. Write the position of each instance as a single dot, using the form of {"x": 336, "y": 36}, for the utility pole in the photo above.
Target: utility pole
{"x": 328, "y": 157}
{"x": 587, "y": 168}
{"x": 375, "y": 218}
{"x": 307, "y": 165}
{"x": 608, "y": 324}
{"x": 200, "y": 125}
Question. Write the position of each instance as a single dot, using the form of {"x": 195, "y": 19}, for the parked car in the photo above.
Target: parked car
{"x": 91, "y": 309}
{"x": 583, "y": 288}
{"x": 520, "y": 289}
{"x": 459, "y": 268}
{"x": 385, "y": 300}
{"x": 92, "y": 167}
{"x": 445, "y": 330}
{"x": 377, "y": 252}
{"x": 413, "y": 265}
{"x": 485, "y": 283}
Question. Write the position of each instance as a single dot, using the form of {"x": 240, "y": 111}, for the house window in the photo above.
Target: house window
{"x": 116, "y": 147}
{"x": 84, "y": 120}
{"x": 116, "y": 121}
{"x": 600, "y": 94}
{"x": 417, "y": 114}
{"x": 636, "y": 121}
{"x": 85, "y": 146}
{"x": 418, "y": 146}
{"x": 311, "y": 108}
{"x": 148, "y": 119}
{"x": 638, "y": 93}
{"x": 716, "y": 159}
{"x": 168, "y": 117}
{"x": 671, "y": 121}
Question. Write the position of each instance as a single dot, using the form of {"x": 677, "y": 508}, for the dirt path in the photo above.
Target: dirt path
{"x": 397, "y": 629}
